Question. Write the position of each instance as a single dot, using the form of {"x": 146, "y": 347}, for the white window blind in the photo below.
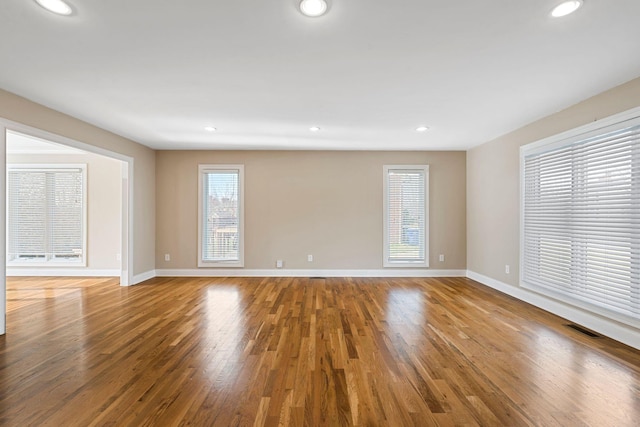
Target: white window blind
{"x": 45, "y": 214}
{"x": 581, "y": 221}
{"x": 221, "y": 215}
{"x": 406, "y": 216}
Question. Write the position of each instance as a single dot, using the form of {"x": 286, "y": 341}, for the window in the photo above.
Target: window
{"x": 581, "y": 219}
{"x": 406, "y": 216}
{"x": 46, "y": 207}
{"x": 220, "y": 201}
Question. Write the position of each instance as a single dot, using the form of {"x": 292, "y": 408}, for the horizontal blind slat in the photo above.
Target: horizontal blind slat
{"x": 581, "y": 220}
{"x": 406, "y": 215}
{"x": 45, "y": 213}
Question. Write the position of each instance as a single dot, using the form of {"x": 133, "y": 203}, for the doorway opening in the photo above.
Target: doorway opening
{"x": 86, "y": 193}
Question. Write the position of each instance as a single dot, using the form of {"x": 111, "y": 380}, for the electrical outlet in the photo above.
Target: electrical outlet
{"x": 167, "y": 257}
{"x": 506, "y": 269}
{"x": 118, "y": 257}
{"x": 310, "y": 258}
{"x": 441, "y": 258}
{"x": 279, "y": 263}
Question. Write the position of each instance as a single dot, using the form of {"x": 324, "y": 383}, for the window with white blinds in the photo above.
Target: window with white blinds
{"x": 46, "y": 214}
{"x": 581, "y": 220}
{"x": 406, "y": 216}
{"x": 220, "y": 216}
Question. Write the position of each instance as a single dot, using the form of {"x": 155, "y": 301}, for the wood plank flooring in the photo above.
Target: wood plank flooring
{"x": 302, "y": 352}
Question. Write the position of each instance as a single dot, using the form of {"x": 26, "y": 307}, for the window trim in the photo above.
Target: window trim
{"x": 203, "y": 169}
{"x": 599, "y": 127}
{"x": 385, "y": 257}
{"x": 82, "y": 262}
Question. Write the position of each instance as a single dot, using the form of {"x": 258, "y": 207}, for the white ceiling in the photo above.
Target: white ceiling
{"x": 368, "y": 73}
{"x": 18, "y": 143}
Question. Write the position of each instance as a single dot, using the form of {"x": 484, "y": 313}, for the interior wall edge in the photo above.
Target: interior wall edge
{"x": 139, "y": 278}
{"x": 622, "y": 333}
{"x": 410, "y": 273}
{"x": 27, "y": 113}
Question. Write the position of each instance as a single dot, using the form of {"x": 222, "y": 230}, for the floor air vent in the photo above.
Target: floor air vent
{"x": 583, "y": 330}
{"x": 317, "y": 278}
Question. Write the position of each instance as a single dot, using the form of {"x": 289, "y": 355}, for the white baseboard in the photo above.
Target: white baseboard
{"x": 612, "y": 329}
{"x": 217, "y": 272}
{"x": 61, "y": 272}
{"x": 139, "y": 278}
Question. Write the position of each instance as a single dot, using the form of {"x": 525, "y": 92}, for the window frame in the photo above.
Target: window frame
{"x": 51, "y": 262}
{"x": 203, "y": 170}
{"x": 425, "y": 233}
{"x": 601, "y": 127}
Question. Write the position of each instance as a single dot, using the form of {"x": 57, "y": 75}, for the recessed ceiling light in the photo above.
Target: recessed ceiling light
{"x": 566, "y": 8}
{"x": 313, "y": 8}
{"x": 422, "y": 129}
{"x": 56, "y": 6}
{"x": 210, "y": 129}
{"x": 314, "y": 129}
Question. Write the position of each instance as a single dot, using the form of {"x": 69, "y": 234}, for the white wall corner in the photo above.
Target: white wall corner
{"x": 139, "y": 278}
{"x": 617, "y": 331}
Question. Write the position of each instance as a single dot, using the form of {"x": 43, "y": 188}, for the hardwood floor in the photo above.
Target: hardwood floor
{"x": 293, "y": 351}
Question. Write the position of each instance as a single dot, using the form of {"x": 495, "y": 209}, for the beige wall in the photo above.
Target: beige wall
{"x": 103, "y": 204}
{"x": 21, "y": 110}
{"x": 493, "y": 181}
{"x": 328, "y": 204}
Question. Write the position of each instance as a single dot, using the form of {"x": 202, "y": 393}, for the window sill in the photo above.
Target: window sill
{"x": 220, "y": 264}
{"x": 406, "y": 264}
{"x": 45, "y": 264}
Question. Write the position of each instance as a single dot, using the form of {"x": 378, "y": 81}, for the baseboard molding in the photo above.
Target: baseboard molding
{"x": 61, "y": 272}
{"x": 612, "y": 329}
{"x": 139, "y": 278}
{"x": 211, "y": 272}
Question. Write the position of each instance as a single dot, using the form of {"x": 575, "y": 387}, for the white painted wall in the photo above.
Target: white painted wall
{"x": 103, "y": 211}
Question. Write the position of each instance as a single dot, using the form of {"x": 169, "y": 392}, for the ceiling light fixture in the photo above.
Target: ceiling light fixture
{"x": 313, "y": 8}
{"x": 210, "y": 129}
{"x": 314, "y": 129}
{"x": 566, "y": 8}
{"x": 56, "y": 6}
{"x": 422, "y": 129}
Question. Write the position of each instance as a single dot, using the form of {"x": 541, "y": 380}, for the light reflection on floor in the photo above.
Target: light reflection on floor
{"x": 223, "y": 333}
{"x": 405, "y": 307}
{"x": 557, "y": 359}
{"x": 64, "y": 302}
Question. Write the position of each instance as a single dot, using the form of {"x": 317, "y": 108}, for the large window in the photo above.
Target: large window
{"x": 581, "y": 219}
{"x": 46, "y": 211}
{"x": 406, "y": 219}
{"x": 220, "y": 201}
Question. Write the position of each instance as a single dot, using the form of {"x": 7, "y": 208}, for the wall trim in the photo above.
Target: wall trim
{"x": 127, "y": 205}
{"x": 61, "y": 272}
{"x": 612, "y": 329}
{"x": 307, "y": 273}
{"x": 139, "y": 278}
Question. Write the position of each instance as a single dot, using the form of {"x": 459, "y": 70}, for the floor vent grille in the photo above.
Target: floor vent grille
{"x": 583, "y": 331}
{"x": 317, "y": 278}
